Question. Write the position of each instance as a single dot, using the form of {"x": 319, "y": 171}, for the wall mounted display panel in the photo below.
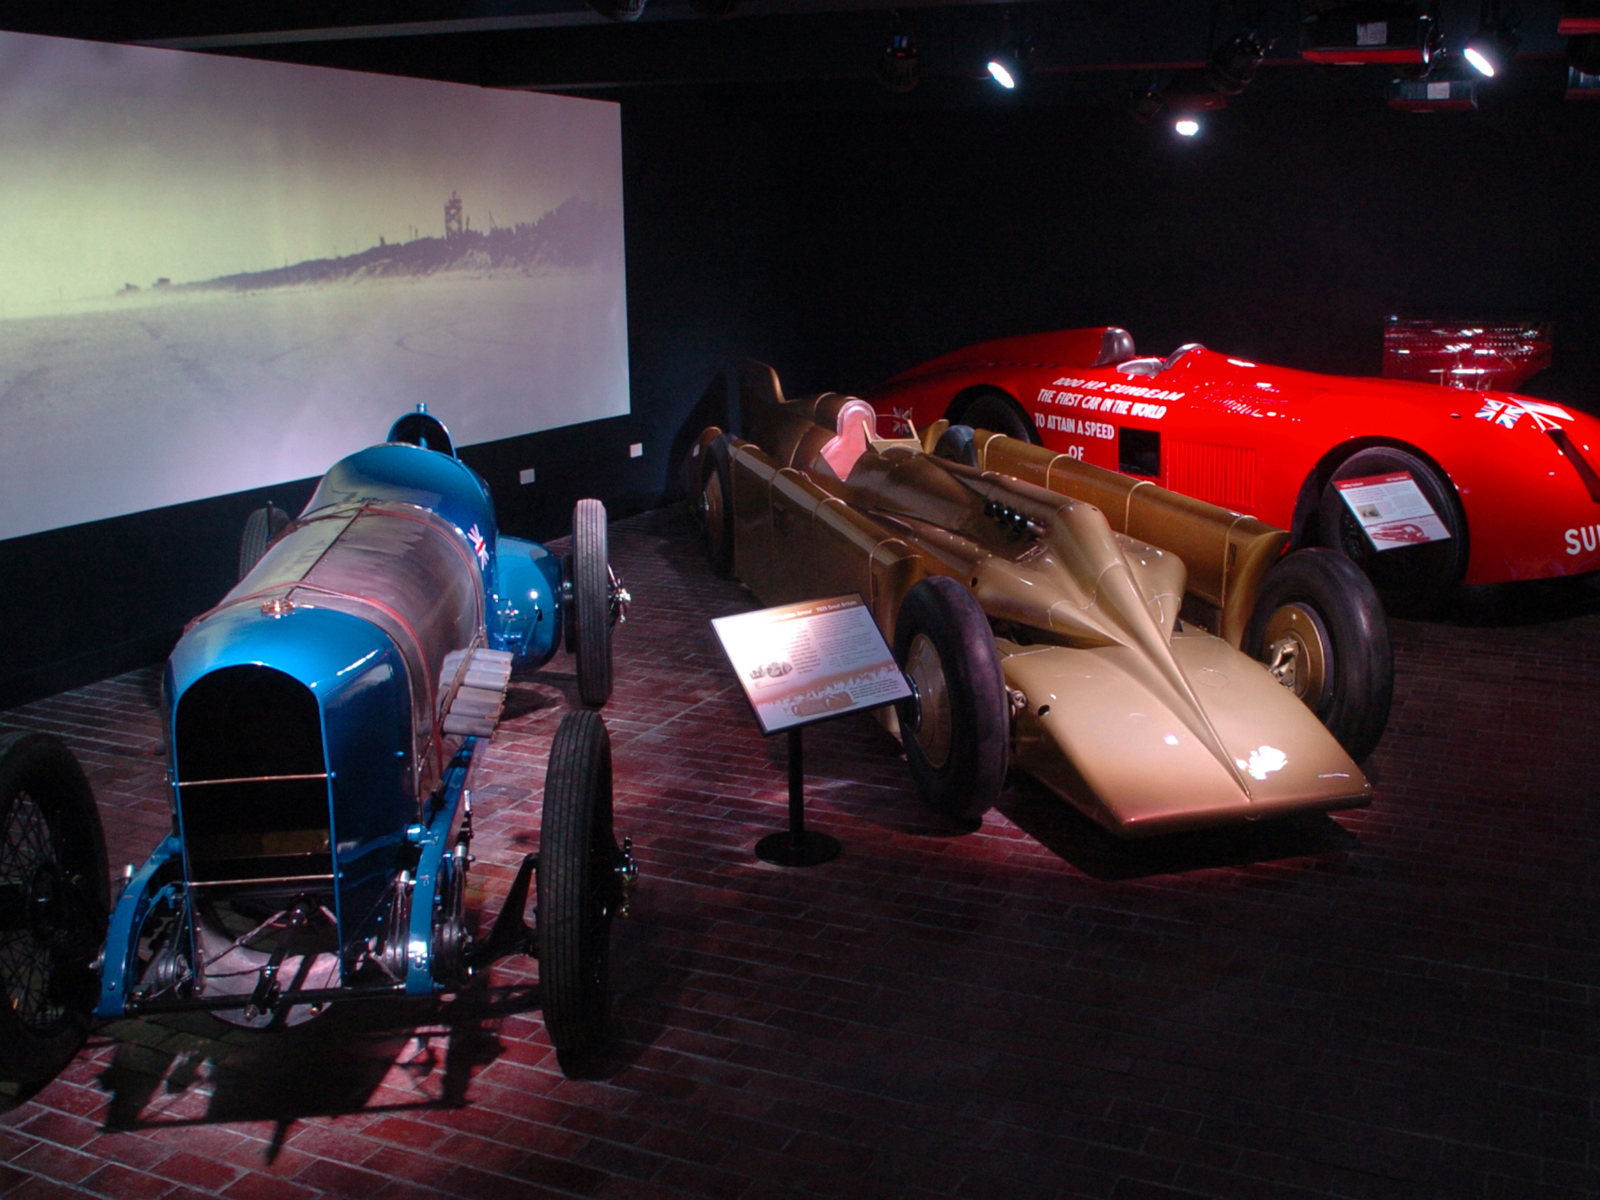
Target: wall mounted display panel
{"x": 216, "y": 274}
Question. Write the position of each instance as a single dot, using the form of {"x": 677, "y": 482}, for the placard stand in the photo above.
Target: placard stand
{"x": 795, "y": 847}
{"x": 803, "y": 663}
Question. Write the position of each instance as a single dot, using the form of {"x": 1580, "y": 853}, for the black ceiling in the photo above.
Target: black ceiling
{"x": 1084, "y": 50}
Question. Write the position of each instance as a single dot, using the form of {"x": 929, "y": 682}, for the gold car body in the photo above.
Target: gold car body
{"x": 1146, "y": 723}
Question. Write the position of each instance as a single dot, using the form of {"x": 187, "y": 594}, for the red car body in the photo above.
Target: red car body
{"x": 1265, "y": 440}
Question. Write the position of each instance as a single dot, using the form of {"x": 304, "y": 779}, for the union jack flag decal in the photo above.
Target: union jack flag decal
{"x": 478, "y": 546}
{"x": 900, "y": 423}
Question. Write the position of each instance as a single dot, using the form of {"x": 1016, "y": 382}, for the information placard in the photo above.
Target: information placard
{"x": 1392, "y": 510}
{"x": 807, "y": 662}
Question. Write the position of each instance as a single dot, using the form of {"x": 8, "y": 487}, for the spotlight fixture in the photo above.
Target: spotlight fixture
{"x": 1579, "y": 17}
{"x": 1490, "y": 49}
{"x": 1443, "y": 91}
{"x": 618, "y": 10}
{"x": 1373, "y": 31}
{"x": 1008, "y": 64}
{"x": 1581, "y": 86}
{"x": 1003, "y": 70}
{"x": 897, "y": 64}
{"x": 1189, "y": 93}
{"x": 1145, "y": 103}
{"x": 1233, "y": 64}
{"x": 1186, "y": 127}
{"x": 1581, "y": 25}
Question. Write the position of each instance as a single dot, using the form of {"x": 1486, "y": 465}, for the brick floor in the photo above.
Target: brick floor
{"x": 1399, "y": 1002}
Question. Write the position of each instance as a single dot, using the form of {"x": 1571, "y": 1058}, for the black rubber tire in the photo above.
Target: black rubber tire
{"x": 715, "y": 504}
{"x": 999, "y": 413}
{"x": 591, "y": 602}
{"x": 1359, "y": 674}
{"x": 578, "y": 887}
{"x": 260, "y": 528}
{"x": 960, "y": 770}
{"x": 1412, "y": 579}
{"x": 957, "y": 444}
{"x": 54, "y": 900}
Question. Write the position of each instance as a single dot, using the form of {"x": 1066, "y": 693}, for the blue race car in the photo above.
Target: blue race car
{"x": 323, "y": 721}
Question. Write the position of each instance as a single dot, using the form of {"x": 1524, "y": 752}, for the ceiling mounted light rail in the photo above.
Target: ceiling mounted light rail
{"x": 1375, "y": 31}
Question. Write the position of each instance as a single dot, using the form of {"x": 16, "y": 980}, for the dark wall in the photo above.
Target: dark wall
{"x": 843, "y": 246}
{"x": 842, "y": 234}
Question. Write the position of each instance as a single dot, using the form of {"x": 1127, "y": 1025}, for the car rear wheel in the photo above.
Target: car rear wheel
{"x": 580, "y": 888}
{"x": 1411, "y": 579}
{"x": 591, "y": 614}
{"x": 1319, "y": 627}
{"x": 998, "y": 413}
{"x": 54, "y": 899}
{"x": 260, "y": 529}
{"x": 957, "y": 727}
{"x": 716, "y": 505}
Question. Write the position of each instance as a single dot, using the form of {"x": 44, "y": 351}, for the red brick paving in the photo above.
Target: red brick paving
{"x": 1398, "y": 1002}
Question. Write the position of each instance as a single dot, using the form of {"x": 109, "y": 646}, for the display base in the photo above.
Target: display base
{"x": 810, "y": 850}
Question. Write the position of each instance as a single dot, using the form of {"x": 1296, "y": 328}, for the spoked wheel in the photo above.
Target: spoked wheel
{"x": 957, "y": 727}
{"x": 583, "y": 879}
{"x": 593, "y": 610}
{"x": 260, "y": 528}
{"x": 1319, "y": 627}
{"x": 54, "y": 899}
{"x": 716, "y": 505}
{"x": 999, "y": 413}
{"x": 1411, "y": 579}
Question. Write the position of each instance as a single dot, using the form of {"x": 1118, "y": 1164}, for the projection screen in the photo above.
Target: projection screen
{"x": 219, "y": 274}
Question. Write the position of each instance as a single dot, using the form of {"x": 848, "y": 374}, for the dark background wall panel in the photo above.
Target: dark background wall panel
{"x": 869, "y": 241}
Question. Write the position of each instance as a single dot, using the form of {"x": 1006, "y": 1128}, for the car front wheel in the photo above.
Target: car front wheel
{"x": 1319, "y": 628}
{"x": 957, "y": 727}
{"x": 54, "y": 897}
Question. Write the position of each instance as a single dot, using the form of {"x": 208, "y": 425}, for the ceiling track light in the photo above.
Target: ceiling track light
{"x": 1231, "y": 67}
{"x": 1008, "y": 65}
{"x": 1368, "y": 32}
{"x": 1579, "y": 17}
{"x": 897, "y": 67}
{"x": 618, "y": 10}
{"x": 1490, "y": 49}
{"x": 1446, "y": 90}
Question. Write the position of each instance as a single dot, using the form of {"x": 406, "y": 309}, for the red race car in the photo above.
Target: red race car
{"x": 1423, "y": 486}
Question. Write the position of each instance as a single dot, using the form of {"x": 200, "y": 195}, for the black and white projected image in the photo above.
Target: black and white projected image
{"x": 220, "y": 274}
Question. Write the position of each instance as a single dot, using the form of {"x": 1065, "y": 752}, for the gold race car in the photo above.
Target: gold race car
{"x": 1087, "y": 628}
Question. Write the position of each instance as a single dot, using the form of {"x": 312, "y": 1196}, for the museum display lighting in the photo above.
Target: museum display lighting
{"x": 1579, "y": 17}
{"x": 1232, "y": 66}
{"x": 897, "y": 67}
{"x": 618, "y": 10}
{"x": 1490, "y": 49}
{"x": 1580, "y": 25}
{"x": 1371, "y": 31}
{"x": 1007, "y": 63}
{"x": 1451, "y": 90}
{"x": 1186, "y": 127}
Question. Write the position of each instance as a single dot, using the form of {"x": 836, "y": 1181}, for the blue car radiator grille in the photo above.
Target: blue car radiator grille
{"x": 251, "y": 779}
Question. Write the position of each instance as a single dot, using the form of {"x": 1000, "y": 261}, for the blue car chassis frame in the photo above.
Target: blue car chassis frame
{"x": 439, "y": 846}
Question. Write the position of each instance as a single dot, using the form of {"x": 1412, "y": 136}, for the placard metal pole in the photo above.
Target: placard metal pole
{"x": 794, "y": 847}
